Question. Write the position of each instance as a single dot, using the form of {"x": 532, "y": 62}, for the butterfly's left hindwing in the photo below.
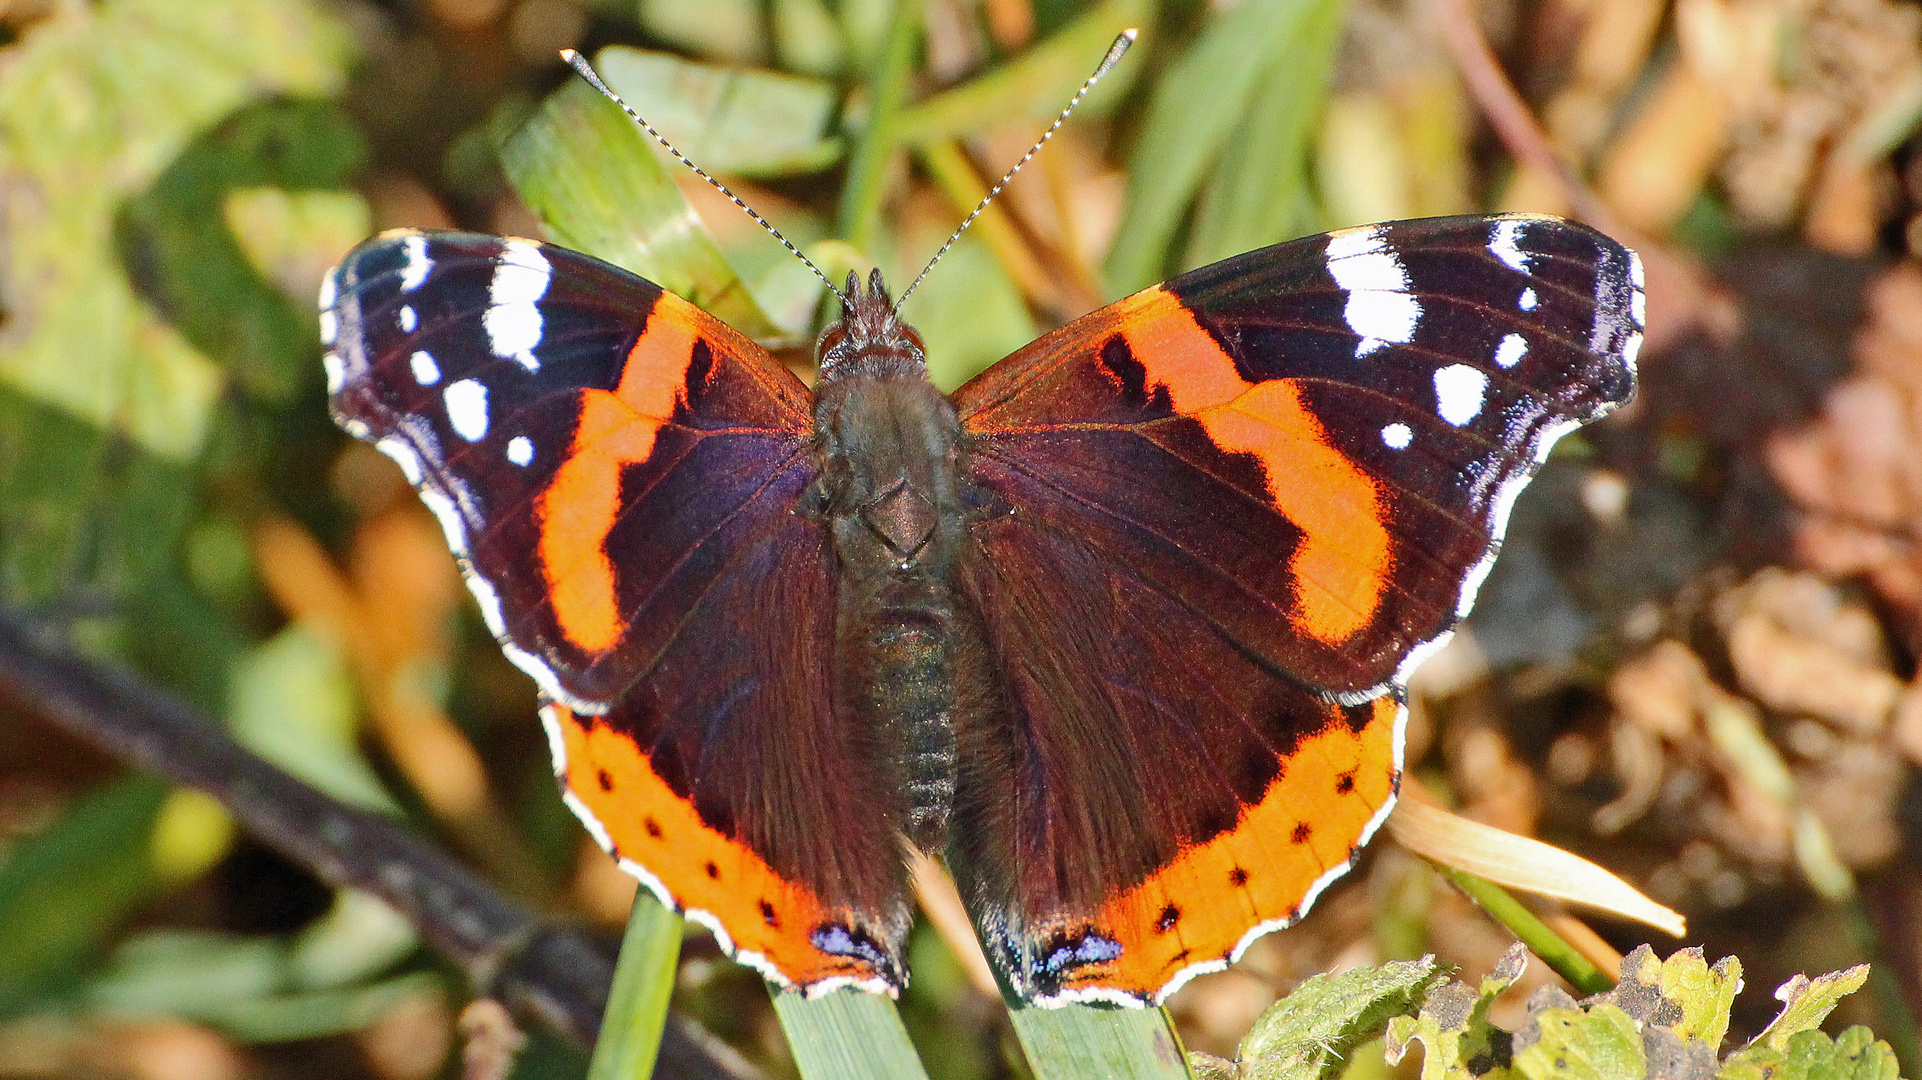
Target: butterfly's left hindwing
{"x": 1232, "y": 511}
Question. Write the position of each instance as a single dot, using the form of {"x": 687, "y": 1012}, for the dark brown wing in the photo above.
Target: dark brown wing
{"x": 1235, "y": 509}
{"x": 618, "y": 473}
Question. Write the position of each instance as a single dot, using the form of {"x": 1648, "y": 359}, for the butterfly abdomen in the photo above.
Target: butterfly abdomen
{"x": 888, "y": 446}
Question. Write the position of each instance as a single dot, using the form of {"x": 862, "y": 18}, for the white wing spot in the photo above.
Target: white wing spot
{"x": 1458, "y": 393}
{"x": 1397, "y": 436}
{"x": 407, "y": 319}
{"x": 1506, "y": 244}
{"x": 336, "y": 375}
{"x": 1527, "y": 302}
{"x": 1380, "y": 308}
{"x": 1511, "y": 350}
{"x": 414, "y": 270}
{"x": 426, "y": 372}
{"x": 329, "y": 327}
{"x": 513, "y": 316}
{"x": 466, "y": 402}
{"x": 520, "y": 450}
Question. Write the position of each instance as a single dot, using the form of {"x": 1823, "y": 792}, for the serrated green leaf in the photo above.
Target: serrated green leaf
{"x": 1458, "y": 1042}
{"x": 94, "y": 103}
{"x": 1810, "y": 1055}
{"x": 1311, "y": 1033}
{"x": 1807, "y": 1002}
{"x": 1601, "y": 1043}
{"x": 591, "y": 175}
{"x": 1681, "y": 995}
{"x": 729, "y": 119}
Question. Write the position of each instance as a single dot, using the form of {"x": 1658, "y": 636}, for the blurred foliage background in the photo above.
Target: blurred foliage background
{"x": 1695, "y": 663}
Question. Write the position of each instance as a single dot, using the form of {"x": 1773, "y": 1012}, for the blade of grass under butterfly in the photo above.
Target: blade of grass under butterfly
{"x": 847, "y": 1035}
{"x": 1198, "y": 105}
{"x": 637, "y": 1002}
{"x": 1093, "y": 1040}
{"x": 590, "y": 173}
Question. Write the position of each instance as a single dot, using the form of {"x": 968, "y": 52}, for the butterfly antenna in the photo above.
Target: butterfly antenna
{"x": 1115, "y": 51}
{"x": 579, "y": 63}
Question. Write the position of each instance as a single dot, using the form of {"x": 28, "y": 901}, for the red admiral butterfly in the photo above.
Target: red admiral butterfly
{"x": 1120, "y": 628}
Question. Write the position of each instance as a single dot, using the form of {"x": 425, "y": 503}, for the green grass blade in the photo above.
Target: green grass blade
{"x": 1531, "y": 931}
{"x": 1035, "y": 84}
{"x": 1260, "y": 194}
{"x": 637, "y": 1002}
{"x": 847, "y": 1035}
{"x": 1197, "y": 107}
{"x": 1092, "y": 1040}
{"x": 861, "y": 194}
{"x": 591, "y": 175}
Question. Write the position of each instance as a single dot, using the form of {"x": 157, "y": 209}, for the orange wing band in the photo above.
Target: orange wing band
{"x": 759, "y": 918}
{"x": 1215, "y": 897}
{"x": 1342, "y": 564}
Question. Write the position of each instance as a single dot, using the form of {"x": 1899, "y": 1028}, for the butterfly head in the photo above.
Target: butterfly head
{"x": 870, "y": 338}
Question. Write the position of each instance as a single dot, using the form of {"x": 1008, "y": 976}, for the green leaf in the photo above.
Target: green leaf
{"x": 1259, "y": 194}
{"x": 1856, "y": 1054}
{"x": 847, "y": 1034}
{"x": 81, "y": 513}
{"x": 1075, "y": 1041}
{"x": 187, "y": 259}
{"x": 358, "y": 938}
{"x": 95, "y": 103}
{"x": 591, "y": 174}
{"x": 293, "y": 704}
{"x": 1458, "y": 1042}
{"x": 727, "y": 119}
{"x": 1681, "y": 994}
{"x": 1807, "y": 1002}
{"x": 66, "y": 886}
{"x": 239, "y": 984}
{"x": 1600, "y": 1043}
{"x": 1311, "y": 1033}
{"x": 723, "y": 29}
{"x": 1204, "y": 99}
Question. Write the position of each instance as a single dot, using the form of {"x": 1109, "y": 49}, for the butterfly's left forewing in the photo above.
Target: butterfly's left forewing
{"x": 1226, "y": 516}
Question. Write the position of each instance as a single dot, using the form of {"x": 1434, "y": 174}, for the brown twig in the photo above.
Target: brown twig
{"x": 559, "y": 977}
{"x": 1514, "y": 122}
{"x": 1681, "y": 294}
